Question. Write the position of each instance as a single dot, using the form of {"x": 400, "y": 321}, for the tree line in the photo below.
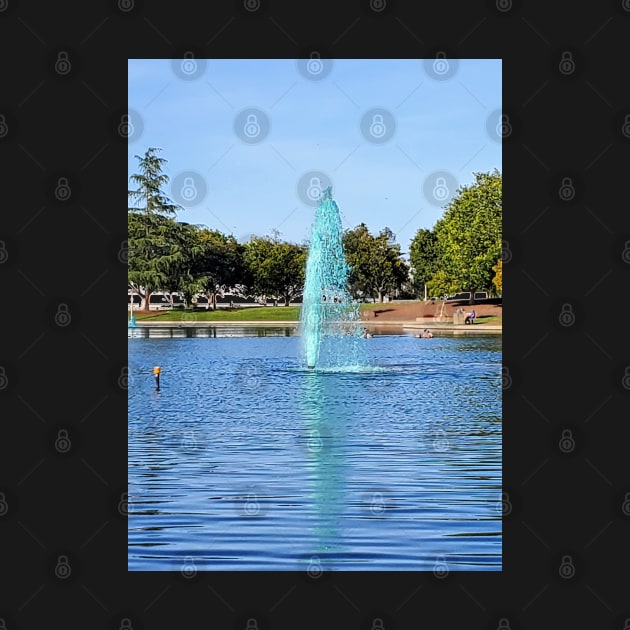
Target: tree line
{"x": 462, "y": 252}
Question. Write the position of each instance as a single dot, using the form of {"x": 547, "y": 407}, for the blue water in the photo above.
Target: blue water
{"x": 245, "y": 460}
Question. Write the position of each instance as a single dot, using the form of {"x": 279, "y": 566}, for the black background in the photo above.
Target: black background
{"x": 566, "y": 503}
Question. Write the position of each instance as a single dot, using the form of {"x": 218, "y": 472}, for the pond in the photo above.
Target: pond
{"x": 246, "y": 460}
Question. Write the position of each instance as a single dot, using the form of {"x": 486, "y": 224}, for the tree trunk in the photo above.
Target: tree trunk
{"x": 380, "y": 296}
{"x": 287, "y": 300}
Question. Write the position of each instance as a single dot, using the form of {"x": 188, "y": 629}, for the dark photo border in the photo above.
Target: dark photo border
{"x": 566, "y": 374}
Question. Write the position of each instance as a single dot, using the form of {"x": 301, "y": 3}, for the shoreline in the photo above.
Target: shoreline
{"x": 405, "y": 324}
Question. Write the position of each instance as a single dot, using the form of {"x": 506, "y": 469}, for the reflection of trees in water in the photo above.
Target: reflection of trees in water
{"x": 324, "y": 424}
{"x": 489, "y": 343}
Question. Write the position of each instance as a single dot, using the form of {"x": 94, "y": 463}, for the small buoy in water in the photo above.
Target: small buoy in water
{"x": 156, "y": 373}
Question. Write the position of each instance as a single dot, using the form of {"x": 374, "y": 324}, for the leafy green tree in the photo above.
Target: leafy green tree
{"x": 498, "y": 276}
{"x": 290, "y": 271}
{"x": 153, "y": 237}
{"x": 257, "y": 251}
{"x": 389, "y": 270}
{"x": 275, "y": 268}
{"x": 155, "y": 254}
{"x": 358, "y": 246}
{"x": 376, "y": 266}
{"x": 220, "y": 264}
{"x": 183, "y": 273}
{"x": 423, "y": 256}
{"x": 469, "y": 234}
{"x": 150, "y": 181}
{"x": 442, "y": 283}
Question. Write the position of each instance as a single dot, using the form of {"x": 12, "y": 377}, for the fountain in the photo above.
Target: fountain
{"x": 330, "y": 320}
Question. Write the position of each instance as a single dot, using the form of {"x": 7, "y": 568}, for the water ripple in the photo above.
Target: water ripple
{"x": 244, "y": 460}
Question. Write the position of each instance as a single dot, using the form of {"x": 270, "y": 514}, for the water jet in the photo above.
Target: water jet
{"x": 330, "y": 320}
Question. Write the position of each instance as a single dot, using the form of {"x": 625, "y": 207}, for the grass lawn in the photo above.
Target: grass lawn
{"x": 254, "y": 313}
{"x": 251, "y": 313}
{"x": 492, "y": 319}
{"x": 485, "y": 319}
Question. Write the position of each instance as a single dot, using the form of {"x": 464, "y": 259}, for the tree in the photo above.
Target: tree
{"x": 375, "y": 263}
{"x": 423, "y": 256}
{"x": 358, "y": 248}
{"x": 442, "y": 283}
{"x": 469, "y": 235}
{"x": 290, "y": 270}
{"x": 389, "y": 270}
{"x": 220, "y": 264}
{"x": 155, "y": 254}
{"x": 153, "y": 237}
{"x": 275, "y": 268}
{"x": 150, "y": 181}
{"x": 184, "y": 276}
{"x": 498, "y": 276}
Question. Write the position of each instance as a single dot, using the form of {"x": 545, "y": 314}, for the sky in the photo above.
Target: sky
{"x": 250, "y": 144}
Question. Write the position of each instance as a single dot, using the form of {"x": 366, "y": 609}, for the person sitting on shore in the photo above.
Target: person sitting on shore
{"x": 470, "y": 317}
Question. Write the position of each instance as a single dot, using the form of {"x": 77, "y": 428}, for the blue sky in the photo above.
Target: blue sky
{"x": 250, "y": 143}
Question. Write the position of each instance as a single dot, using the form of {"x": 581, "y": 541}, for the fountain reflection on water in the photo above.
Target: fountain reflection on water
{"x": 326, "y": 442}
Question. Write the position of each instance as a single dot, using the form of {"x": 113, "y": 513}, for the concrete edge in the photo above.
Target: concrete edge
{"x": 413, "y": 325}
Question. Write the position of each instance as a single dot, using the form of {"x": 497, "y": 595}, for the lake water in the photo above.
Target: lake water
{"x": 245, "y": 460}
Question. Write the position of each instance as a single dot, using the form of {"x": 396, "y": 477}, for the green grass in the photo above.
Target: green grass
{"x": 252, "y": 313}
{"x": 485, "y": 319}
{"x": 493, "y": 319}
{"x": 255, "y": 313}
